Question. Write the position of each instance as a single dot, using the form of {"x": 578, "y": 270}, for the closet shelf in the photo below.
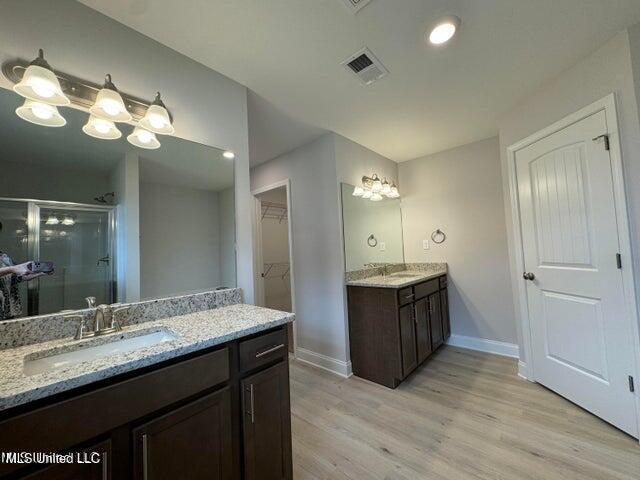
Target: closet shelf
{"x": 274, "y": 270}
{"x": 276, "y": 211}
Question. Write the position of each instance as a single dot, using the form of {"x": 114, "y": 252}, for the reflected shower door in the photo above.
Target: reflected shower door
{"x": 79, "y": 243}
{"x": 14, "y": 245}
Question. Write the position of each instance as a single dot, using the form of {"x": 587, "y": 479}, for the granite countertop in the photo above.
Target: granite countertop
{"x": 402, "y": 279}
{"x": 193, "y": 332}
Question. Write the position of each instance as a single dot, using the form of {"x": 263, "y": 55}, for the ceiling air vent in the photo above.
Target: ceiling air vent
{"x": 355, "y": 5}
{"x": 365, "y": 66}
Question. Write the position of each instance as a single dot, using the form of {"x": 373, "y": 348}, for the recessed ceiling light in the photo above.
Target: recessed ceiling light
{"x": 444, "y": 30}
{"x": 229, "y": 155}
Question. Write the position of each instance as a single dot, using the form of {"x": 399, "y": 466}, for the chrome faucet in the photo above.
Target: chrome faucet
{"x": 104, "y": 321}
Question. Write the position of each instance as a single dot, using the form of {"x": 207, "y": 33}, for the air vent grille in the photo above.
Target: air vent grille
{"x": 365, "y": 66}
{"x": 355, "y": 5}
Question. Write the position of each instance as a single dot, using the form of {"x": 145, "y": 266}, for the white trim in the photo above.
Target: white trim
{"x": 257, "y": 247}
{"x": 329, "y": 364}
{"x": 523, "y": 371}
{"x": 484, "y": 345}
{"x": 608, "y": 105}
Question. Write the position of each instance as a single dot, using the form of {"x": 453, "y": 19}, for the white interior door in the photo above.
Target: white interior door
{"x": 580, "y": 334}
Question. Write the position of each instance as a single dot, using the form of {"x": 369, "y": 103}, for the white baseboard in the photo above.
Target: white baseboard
{"x": 333, "y": 365}
{"x": 484, "y": 345}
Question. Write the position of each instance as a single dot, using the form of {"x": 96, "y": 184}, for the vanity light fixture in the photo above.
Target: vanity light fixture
{"x": 229, "y": 155}
{"x": 444, "y": 30}
{"x": 374, "y": 189}
{"x": 68, "y": 221}
{"x": 375, "y": 197}
{"x": 41, "y": 114}
{"x": 376, "y": 184}
{"x": 367, "y": 194}
{"x": 143, "y": 139}
{"x": 109, "y": 104}
{"x": 394, "y": 192}
{"x": 52, "y": 220}
{"x": 101, "y": 128}
{"x": 157, "y": 118}
{"x": 386, "y": 188}
{"x": 358, "y": 191}
{"x": 39, "y": 83}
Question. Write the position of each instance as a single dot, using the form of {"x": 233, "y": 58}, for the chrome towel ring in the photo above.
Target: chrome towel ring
{"x": 438, "y": 236}
{"x": 372, "y": 241}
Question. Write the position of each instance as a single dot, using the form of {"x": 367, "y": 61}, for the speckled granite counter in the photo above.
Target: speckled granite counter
{"x": 193, "y": 332}
{"x": 404, "y": 275}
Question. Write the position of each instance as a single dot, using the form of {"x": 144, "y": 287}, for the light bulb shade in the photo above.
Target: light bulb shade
{"x": 386, "y": 187}
{"x": 40, "y": 114}
{"x": 358, "y": 191}
{"x": 101, "y": 128}
{"x": 52, "y": 220}
{"x": 394, "y": 192}
{"x": 109, "y": 104}
{"x": 376, "y": 184}
{"x": 375, "y": 197}
{"x": 143, "y": 139}
{"x": 367, "y": 194}
{"x": 41, "y": 84}
{"x": 157, "y": 118}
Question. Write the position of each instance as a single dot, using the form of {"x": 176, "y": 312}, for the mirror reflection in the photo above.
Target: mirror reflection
{"x": 372, "y": 230}
{"x": 86, "y": 220}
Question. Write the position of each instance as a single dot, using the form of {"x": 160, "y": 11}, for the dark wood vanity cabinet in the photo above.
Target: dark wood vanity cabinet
{"x": 393, "y": 331}
{"x": 222, "y": 413}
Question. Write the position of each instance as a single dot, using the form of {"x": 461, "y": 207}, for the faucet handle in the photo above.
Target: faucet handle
{"x": 116, "y": 308}
{"x": 91, "y": 302}
{"x": 81, "y": 327}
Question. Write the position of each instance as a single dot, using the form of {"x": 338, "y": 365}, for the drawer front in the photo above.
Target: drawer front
{"x": 443, "y": 281}
{"x": 48, "y": 429}
{"x": 405, "y": 296}
{"x": 427, "y": 288}
{"x": 263, "y": 350}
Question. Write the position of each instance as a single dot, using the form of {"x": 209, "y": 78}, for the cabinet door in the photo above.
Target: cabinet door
{"x": 96, "y": 465}
{"x": 423, "y": 340}
{"x": 267, "y": 424}
{"x": 435, "y": 320}
{"x": 444, "y": 307}
{"x": 408, "y": 340}
{"x": 190, "y": 443}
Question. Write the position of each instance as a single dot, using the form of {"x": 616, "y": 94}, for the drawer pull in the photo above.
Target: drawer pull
{"x": 105, "y": 466}
{"x": 145, "y": 457}
{"x": 408, "y": 297}
{"x": 251, "y": 411}
{"x": 270, "y": 350}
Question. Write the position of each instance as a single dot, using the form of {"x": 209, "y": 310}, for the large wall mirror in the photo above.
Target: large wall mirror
{"x": 372, "y": 230}
{"x": 106, "y": 219}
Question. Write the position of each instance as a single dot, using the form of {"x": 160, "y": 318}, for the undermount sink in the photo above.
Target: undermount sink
{"x": 113, "y": 344}
{"x": 404, "y": 275}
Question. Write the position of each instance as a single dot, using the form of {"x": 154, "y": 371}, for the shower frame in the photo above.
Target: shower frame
{"x": 33, "y": 241}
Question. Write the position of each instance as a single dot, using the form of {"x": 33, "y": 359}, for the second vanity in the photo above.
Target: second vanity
{"x": 396, "y": 319}
{"x": 199, "y": 394}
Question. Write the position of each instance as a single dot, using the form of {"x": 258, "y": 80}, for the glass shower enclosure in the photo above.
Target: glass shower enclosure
{"x": 80, "y": 241}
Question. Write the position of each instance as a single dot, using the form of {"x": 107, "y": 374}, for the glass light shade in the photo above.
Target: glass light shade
{"x": 41, "y": 84}
{"x": 110, "y": 106}
{"x": 444, "y": 30}
{"x": 40, "y": 114}
{"x": 358, "y": 191}
{"x": 157, "y": 120}
{"x": 375, "y": 197}
{"x": 101, "y": 128}
{"x": 394, "y": 192}
{"x": 68, "y": 221}
{"x": 144, "y": 139}
{"x": 52, "y": 220}
{"x": 376, "y": 185}
{"x": 386, "y": 188}
{"x": 367, "y": 194}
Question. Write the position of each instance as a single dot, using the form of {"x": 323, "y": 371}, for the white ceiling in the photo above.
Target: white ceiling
{"x": 289, "y": 53}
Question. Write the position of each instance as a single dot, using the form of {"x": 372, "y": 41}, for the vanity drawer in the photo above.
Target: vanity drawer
{"x": 263, "y": 350}
{"x": 405, "y": 296}
{"x": 427, "y": 288}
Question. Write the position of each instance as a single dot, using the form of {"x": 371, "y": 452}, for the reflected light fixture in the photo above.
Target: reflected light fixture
{"x": 109, "y": 104}
{"x": 157, "y": 119}
{"x": 40, "y": 114}
{"x": 39, "y": 83}
{"x": 229, "y": 155}
{"x": 67, "y": 221}
{"x": 52, "y": 220}
{"x": 101, "y": 128}
{"x": 143, "y": 139}
{"x": 444, "y": 30}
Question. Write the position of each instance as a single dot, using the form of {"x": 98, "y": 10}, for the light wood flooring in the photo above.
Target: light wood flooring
{"x": 463, "y": 415}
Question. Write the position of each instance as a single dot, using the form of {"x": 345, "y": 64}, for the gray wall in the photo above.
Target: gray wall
{"x": 607, "y": 70}
{"x": 208, "y": 107}
{"x": 318, "y": 266}
{"x": 460, "y": 192}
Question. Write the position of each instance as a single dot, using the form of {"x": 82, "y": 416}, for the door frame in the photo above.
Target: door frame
{"x": 257, "y": 250}
{"x": 608, "y": 106}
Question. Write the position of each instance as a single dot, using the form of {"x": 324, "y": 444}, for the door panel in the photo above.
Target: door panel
{"x": 579, "y": 329}
{"x": 423, "y": 340}
{"x": 408, "y": 340}
{"x": 435, "y": 321}
{"x": 96, "y": 465}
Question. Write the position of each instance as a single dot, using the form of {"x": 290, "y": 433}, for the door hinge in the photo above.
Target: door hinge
{"x": 604, "y": 138}
{"x": 632, "y": 387}
{"x": 619, "y": 261}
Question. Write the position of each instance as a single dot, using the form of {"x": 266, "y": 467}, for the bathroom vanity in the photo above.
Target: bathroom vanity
{"x": 208, "y": 399}
{"x": 396, "y": 321}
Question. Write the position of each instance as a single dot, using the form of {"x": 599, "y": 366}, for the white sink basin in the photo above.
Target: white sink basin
{"x": 112, "y": 345}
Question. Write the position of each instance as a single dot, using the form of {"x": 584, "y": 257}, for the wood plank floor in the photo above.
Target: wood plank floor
{"x": 462, "y": 415}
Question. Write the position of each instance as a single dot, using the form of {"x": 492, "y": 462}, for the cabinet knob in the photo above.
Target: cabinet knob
{"x": 528, "y": 276}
